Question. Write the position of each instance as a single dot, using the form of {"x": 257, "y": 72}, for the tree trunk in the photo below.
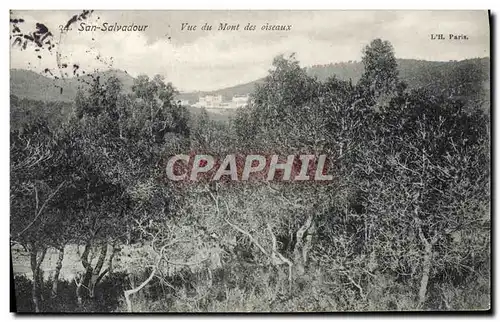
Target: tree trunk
{"x": 426, "y": 266}
{"x": 57, "y": 271}
{"x": 37, "y": 276}
{"x": 308, "y": 243}
{"x": 40, "y": 283}
{"x": 277, "y": 259}
{"x": 425, "y": 274}
{"x": 298, "y": 251}
{"x": 128, "y": 293}
{"x": 79, "y": 299}
{"x": 78, "y": 292}
{"x": 34, "y": 286}
{"x": 96, "y": 277}
{"x": 114, "y": 250}
{"x": 86, "y": 264}
{"x": 129, "y": 234}
{"x": 34, "y": 296}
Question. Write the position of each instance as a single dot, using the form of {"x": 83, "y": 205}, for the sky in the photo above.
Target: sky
{"x": 203, "y": 60}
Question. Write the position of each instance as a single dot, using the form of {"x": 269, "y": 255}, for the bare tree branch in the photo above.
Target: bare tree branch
{"x": 248, "y": 235}
{"x": 41, "y": 208}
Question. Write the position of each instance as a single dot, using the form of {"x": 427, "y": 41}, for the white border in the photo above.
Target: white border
{"x": 213, "y": 4}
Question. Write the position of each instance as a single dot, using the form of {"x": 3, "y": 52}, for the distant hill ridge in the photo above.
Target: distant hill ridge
{"x": 28, "y": 84}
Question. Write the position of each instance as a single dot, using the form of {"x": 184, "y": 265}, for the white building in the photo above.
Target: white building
{"x": 240, "y": 101}
{"x": 215, "y": 103}
{"x": 210, "y": 101}
{"x": 183, "y": 102}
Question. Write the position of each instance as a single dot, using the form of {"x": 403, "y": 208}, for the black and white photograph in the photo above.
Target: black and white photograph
{"x": 255, "y": 161}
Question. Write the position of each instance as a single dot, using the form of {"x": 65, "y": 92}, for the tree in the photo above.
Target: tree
{"x": 38, "y": 181}
{"x": 381, "y": 73}
{"x": 423, "y": 175}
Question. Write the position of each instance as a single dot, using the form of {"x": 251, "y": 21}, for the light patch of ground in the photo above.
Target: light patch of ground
{"x": 131, "y": 259}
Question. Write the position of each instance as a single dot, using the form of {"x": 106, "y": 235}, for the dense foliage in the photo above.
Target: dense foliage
{"x": 405, "y": 224}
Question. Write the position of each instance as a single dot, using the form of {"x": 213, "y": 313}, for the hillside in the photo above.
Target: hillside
{"x": 31, "y": 85}
{"x": 466, "y": 76}
{"x": 227, "y": 93}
